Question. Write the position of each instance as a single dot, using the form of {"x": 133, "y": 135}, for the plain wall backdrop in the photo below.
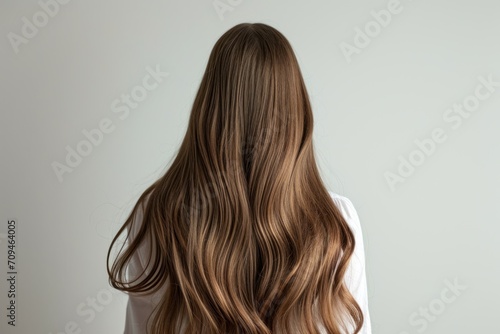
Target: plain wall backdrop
{"x": 405, "y": 95}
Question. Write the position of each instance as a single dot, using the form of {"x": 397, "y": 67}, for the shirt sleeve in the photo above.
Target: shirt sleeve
{"x": 355, "y": 278}
{"x": 139, "y": 307}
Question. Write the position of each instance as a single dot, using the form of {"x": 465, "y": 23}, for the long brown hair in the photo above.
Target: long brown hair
{"x": 241, "y": 230}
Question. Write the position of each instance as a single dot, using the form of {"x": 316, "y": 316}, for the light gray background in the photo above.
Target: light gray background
{"x": 441, "y": 224}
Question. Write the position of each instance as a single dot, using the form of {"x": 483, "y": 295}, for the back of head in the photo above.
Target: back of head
{"x": 241, "y": 224}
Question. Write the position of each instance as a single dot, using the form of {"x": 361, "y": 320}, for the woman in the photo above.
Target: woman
{"x": 240, "y": 235}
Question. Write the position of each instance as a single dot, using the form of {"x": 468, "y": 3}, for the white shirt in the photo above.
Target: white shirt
{"x": 139, "y": 307}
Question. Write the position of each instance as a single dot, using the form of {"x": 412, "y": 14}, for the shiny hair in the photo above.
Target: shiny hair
{"x": 241, "y": 224}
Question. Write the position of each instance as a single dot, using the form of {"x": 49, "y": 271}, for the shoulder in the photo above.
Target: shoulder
{"x": 355, "y": 276}
{"x": 346, "y": 208}
{"x": 137, "y": 221}
{"x": 138, "y": 215}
